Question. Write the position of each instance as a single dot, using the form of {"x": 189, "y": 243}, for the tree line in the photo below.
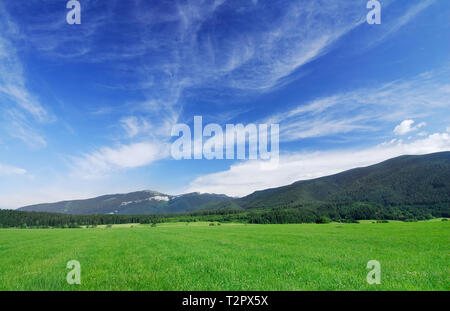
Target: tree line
{"x": 312, "y": 213}
{"x": 21, "y": 219}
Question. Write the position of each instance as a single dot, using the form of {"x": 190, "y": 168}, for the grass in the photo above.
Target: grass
{"x": 176, "y": 256}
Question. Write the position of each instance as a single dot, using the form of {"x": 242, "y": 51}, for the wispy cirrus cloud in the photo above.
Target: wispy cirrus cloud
{"x": 367, "y": 109}
{"x": 19, "y": 126}
{"x": 396, "y": 24}
{"x": 20, "y": 109}
{"x": 178, "y": 47}
{"x": 179, "y": 51}
{"x": 12, "y": 76}
{"x": 47, "y": 32}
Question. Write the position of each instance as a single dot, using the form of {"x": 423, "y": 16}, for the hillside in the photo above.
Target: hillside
{"x": 405, "y": 180}
{"x": 140, "y": 202}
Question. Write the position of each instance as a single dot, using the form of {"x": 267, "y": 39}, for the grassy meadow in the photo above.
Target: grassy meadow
{"x": 196, "y": 256}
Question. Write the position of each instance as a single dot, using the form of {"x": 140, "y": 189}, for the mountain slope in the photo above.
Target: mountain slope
{"x": 140, "y": 202}
{"x": 405, "y": 180}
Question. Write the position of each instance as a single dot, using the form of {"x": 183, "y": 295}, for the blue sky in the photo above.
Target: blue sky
{"x": 88, "y": 109}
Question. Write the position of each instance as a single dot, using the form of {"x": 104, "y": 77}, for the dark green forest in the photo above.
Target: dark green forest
{"x": 20, "y": 219}
{"x": 319, "y": 213}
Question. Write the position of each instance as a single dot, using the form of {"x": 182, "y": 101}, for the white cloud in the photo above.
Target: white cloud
{"x": 106, "y": 160}
{"x": 407, "y": 126}
{"x": 11, "y": 170}
{"x": 134, "y": 126}
{"x": 244, "y": 178}
{"x": 422, "y": 134}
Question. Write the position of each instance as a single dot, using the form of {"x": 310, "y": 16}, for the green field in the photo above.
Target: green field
{"x": 413, "y": 256}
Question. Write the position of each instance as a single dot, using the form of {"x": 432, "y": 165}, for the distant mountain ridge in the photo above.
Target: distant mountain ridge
{"x": 420, "y": 180}
{"x": 139, "y": 202}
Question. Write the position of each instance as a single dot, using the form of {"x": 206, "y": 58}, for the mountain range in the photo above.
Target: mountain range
{"x": 139, "y": 202}
{"x": 419, "y": 180}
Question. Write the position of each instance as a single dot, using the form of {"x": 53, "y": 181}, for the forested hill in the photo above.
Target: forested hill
{"x": 406, "y": 180}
